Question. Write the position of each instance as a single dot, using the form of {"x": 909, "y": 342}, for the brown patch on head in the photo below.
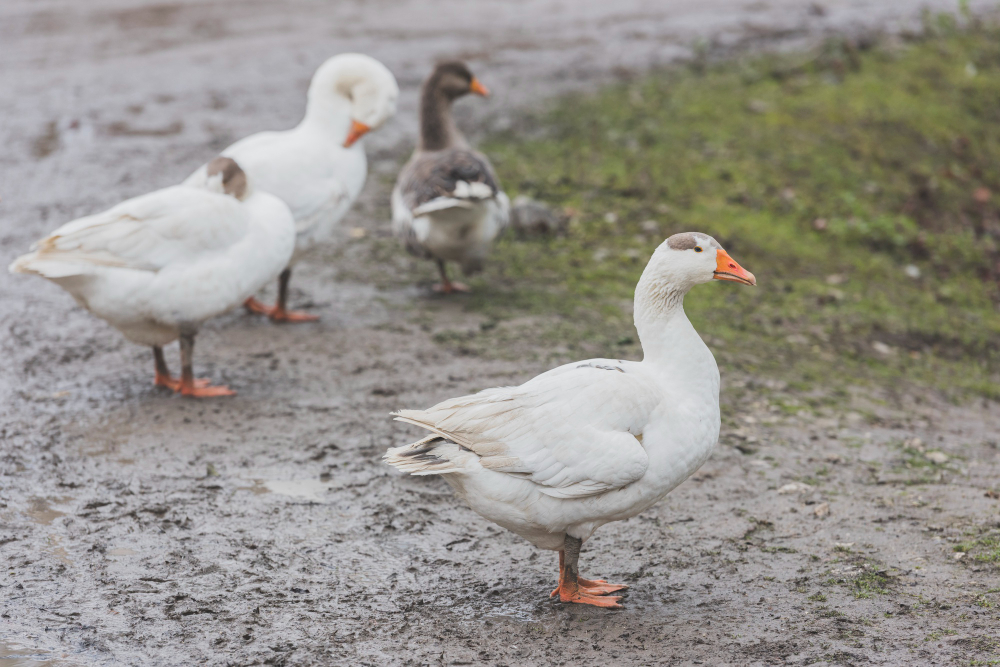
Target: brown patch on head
{"x": 690, "y": 240}
{"x": 234, "y": 179}
{"x": 682, "y": 241}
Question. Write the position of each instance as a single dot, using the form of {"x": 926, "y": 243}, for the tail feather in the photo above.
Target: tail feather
{"x": 429, "y": 456}
{"x": 23, "y": 264}
{"x": 62, "y": 267}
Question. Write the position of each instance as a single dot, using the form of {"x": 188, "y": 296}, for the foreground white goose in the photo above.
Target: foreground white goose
{"x": 592, "y": 441}
{"x": 447, "y": 204}
{"x": 157, "y": 266}
{"x": 319, "y": 167}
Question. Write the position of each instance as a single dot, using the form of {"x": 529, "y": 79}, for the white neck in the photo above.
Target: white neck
{"x": 328, "y": 112}
{"x": 685, "y": 370}
{"x": 683, "y": 366}
{"x": 669, "y": 340}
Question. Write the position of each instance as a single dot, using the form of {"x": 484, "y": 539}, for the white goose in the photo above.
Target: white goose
{"x": 447, "y": 204}
{"x": 157, "y": 266}
{"x": 592, "y": 441}
{"x": 319, "y": 167}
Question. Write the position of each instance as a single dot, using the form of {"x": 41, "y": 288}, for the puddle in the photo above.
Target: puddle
{"x": 105, "y": 437}
{"x": 522, "y": 612}
{"x": 41, "y": 512}
{"x": 306, "y": 489}
{"x": 55, "y": 548}
{"x": 258, "y": 488}
{"x": 18, "y": 656}
{"x": 118, "y": 551}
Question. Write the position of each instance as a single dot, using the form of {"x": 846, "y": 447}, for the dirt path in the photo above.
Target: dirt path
{"x": 138, "y": 528}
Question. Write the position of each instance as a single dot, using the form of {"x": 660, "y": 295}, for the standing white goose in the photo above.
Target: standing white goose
{"x": 158, "y": 266}
{"x": 592, "y": 441}
{"x": 447, "y": 204}
{"x": 319, "y": 167}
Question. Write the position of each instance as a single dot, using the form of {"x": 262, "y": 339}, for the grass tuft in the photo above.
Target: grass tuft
{"x": 984, "y": 548}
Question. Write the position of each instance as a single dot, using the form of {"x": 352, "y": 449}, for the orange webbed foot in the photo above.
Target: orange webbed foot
{"x": 277, "y": 313}
{"x": 600, "y": 587}
{"x": 451, "y": 287}
{"x": 206, "y": 391}
{"x": 605, "y": 601}
{"x": 581, "y": 595}
{"x": 282, "y": 315}
{"x": 254, "y": 306}
{"x": 594, "y": 587}
{"x": 174, "y": 384}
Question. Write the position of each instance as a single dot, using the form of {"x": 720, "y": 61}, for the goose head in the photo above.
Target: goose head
{"x": 453, "y": 79}
{"x": 448, "y": 82}
{"x": 681, "y": 262}
{"x": 695, "y": 258}
{"x": 366, "y": 85}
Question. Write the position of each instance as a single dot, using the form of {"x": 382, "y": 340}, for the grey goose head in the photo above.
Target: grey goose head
{"x": 449, "y": 81}
{"x": 453, "y": 79}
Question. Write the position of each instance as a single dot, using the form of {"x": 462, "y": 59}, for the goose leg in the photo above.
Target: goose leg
{"x": 585, "y": 591}
{"x": 596, "y": 586}
{"x": 163, "y": 377}
{"x": 189, "y": 386}
{"x": 447, "y": 286}
{"x": 279, "y": 312}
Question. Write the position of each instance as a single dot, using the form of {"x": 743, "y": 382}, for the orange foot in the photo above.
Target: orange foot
{"x": 174, "y": 384}
{"x": 594, "y": 587}
{"x": 596, "y": 594}
{"x": 450, "y": 287}
{"x": 205, "y": 390}
{"x": 276, "y": 313}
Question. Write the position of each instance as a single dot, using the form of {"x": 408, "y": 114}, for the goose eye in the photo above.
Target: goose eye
{"x": 697, "y": 248}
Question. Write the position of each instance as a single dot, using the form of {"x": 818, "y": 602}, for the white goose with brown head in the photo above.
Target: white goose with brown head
{"x": 158, "y": 266}
{"x": 447, "y": 204}
{"x": 593, "y": 441}
{"x": 319, "y": 167}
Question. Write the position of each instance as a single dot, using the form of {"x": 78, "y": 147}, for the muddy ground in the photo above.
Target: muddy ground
{"x": 140, "y": 528}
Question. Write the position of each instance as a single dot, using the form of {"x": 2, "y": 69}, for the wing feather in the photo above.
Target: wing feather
{"x": 457, "y": 174}
{"x": 574, "y": 433}
{"x": 146, "y": 233}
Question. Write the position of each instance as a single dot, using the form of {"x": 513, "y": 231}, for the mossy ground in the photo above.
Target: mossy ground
{"x": 983, "y": 548}
{"x": 860, "y": 185}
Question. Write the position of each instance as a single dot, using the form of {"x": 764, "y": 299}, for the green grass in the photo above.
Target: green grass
{"x": 895, "y": 147}
{"x": 985, "y": 548}
{"x": 870, "y": 583}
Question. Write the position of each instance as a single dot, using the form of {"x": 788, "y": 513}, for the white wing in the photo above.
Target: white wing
{"x": 501, "y": 216}
{"x": 572, "y": 432}
{"x": 147, "y": 233}
{"x": 402, "y": 224}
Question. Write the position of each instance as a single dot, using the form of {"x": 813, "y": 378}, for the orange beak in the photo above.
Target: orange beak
{"x": 726, "y": 268}
{"x": 478, "y": 88}
{"x": 358, "y": 130}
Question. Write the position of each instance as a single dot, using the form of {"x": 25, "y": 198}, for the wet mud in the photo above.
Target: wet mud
{"x": 140, "y": 528}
